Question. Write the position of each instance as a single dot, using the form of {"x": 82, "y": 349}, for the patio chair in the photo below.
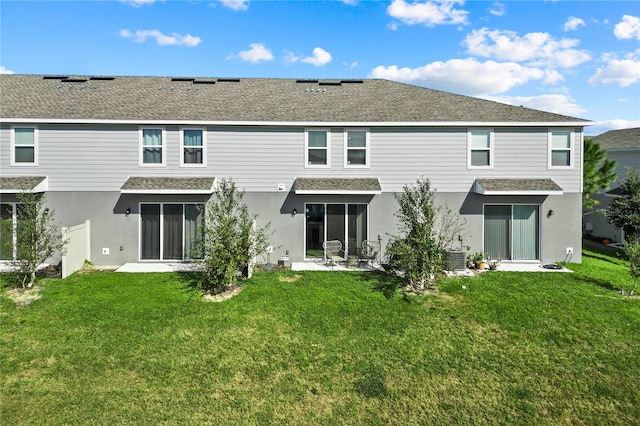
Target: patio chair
{"x": 332, "y": 251}
{"x": 370, "y": 251}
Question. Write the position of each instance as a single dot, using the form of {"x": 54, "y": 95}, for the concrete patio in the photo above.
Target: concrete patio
{"x": 321, "y": 266}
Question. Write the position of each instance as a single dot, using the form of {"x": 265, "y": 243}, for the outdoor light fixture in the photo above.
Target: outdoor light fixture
{"x": 551, "y": 213}
{"x": 46, "y": 211}
{"x": 294, "y": 212}
{"x": 126, "y": 213}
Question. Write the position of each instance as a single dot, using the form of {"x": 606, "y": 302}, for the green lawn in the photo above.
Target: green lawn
{"x": 324, "y": 348}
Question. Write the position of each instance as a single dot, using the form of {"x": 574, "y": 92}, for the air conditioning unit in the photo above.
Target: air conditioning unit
{"x": 457, "y": 260}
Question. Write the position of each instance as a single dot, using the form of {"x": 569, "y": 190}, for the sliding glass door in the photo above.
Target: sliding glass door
{"x": 169, "y": 231}
{"x": 512, "y": 232}
{"x": 346, "y": 223}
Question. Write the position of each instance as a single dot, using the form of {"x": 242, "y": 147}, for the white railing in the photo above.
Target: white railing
{"x": 77, "y": 248}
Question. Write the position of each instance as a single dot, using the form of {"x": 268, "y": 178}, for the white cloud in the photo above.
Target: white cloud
{"x": 429, "y": 13}
{"x": 556, "y": 103}
{"x": 573, "y": 23}
{"x": 497, "y": 9}
{"x": 140, "y": 36}
{"x": 534, "y": 48}
{"x": 628, "y": 28}
{"x": 466, "y": 76}
{"x": 138, "y": 3}
{"x": 3, "y": 70}
{"x": 290, "y": 58}
{"x": 320, "y": 57}
{"x": 351, "y": 65}
{"x": 257, "y": 53}
{"x": 622, "y": 72}
{"x": 616, "y": 124}
{"x": 235, "y": 4}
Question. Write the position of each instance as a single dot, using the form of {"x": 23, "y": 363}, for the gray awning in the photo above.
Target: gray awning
{"x": 168, "y": 185}
{"x": 12, "y": 185}
{"x": 517, "y": 187}
{"x": 616, "y": 192}
{"x": 338, "y": 186}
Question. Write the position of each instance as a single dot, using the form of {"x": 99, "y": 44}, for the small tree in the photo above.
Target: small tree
{"x": 632, "y": 251}
{"x": 37, "y": 237}
{"x": 230, "y": 238}
{"x": 598, "y": 172}
{"x": 428, "y": 230}
{"x": 624, "y": 211}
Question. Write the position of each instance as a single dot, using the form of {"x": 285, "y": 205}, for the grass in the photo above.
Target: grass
{"x": 324, "y": 348}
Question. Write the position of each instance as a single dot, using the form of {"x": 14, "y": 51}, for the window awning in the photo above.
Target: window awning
{"x": 517, "y": 187}
{"x": 12, "y": 185}
{"x": 615, "y": 192}
{"x": 338, "y": 186}
{"x": 168, "y": 185}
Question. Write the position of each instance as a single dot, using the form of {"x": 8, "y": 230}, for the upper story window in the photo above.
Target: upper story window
{"x": 193, "y": 144}
{"x": 316, "y": 148}
{"x": 356, "y": 147}
{"x": 480, "y": 143}
{"x": 152, "y": 146}
{"x": 560, "y": 148}
{"x": 24, "y": 151}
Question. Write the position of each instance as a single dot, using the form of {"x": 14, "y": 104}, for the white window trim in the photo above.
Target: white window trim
{"x": 571, "y": 149}
{"x": 470, "y": 148}
{"x": 366, "y": 148}
{"x": 204, "y": 147}
{"x": 35, "y": 146}
{"x": 306, "y": 148}
{"x": 162, "y": 147}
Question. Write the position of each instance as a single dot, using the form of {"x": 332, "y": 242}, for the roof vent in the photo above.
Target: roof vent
{"x": 102, "y": 78}
{"x": 54, "y": 77}
{"x": 182, "y": 79}
{"x": 329, "y": 83}
{"x": 306, "y": 81}
{"x": 75, "y": 80}
{"x": 229, "y": 80}
{"x": 204, "y": 82}
{"x": 351, "y": 81}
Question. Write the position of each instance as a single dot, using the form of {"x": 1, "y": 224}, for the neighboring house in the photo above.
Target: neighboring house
{"x": 623, "y": 146}
{"x": 319, "y": 159}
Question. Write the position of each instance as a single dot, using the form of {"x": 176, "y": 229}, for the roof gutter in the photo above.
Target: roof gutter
{"x": 577, "y": 123}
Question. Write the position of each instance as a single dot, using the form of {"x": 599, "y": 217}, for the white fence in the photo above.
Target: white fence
{"x": 78, "y": 248}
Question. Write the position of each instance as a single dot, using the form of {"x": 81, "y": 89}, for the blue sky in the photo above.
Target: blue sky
{"x": 579, "y": 58}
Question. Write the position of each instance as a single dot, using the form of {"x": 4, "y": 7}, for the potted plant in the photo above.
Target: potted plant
{"x": 493, "y": 264}
{"x": 479, "y": 261}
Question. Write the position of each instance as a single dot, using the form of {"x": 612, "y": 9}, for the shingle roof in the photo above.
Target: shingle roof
{"x": 167, "y": 184}
{"x": 20, "y": 183}
{"x": 337, "y": 185}
{"x": 516, "y": 186}
{"x": 619, "y": 139}
{"x": 248, "y": 100}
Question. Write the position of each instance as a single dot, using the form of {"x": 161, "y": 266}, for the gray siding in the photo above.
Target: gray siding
{"x": 101, "y": 158}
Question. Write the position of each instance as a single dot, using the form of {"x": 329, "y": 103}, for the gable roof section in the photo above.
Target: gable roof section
{"x": 624, "y": 139}
{"x": 167, "y": 185}
{"x": 517, "y": 187}
{"x": 12, "y": 185}
{"x": 337, "y": 186}
{"x": 249, "y": 100}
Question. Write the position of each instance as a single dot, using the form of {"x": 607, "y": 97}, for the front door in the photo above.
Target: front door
{"x": 346, "y": 223}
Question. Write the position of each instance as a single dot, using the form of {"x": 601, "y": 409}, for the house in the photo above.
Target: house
{"x": 623, "y": 146}
{"x": 318, "y": 159}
